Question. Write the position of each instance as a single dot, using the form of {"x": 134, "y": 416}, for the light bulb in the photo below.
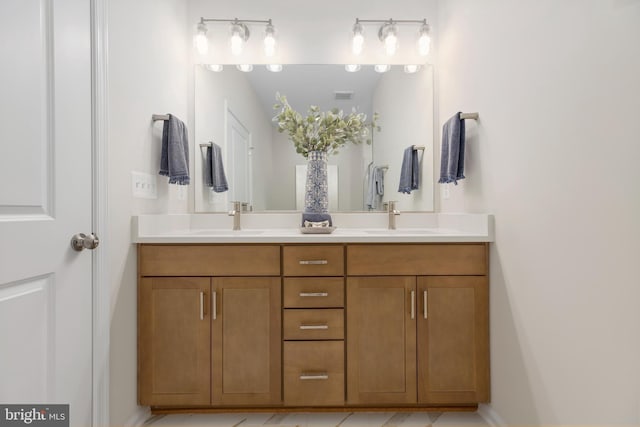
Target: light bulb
{"x": 357, "y": 42}
{"x": 274, "y": 68}
{"x": 270, "y": 40}
{"x": 239, "y": 34}
{"x": 424, "y": 40}
{"x": 200, "y": 40}
{"x": 382, "y": 68}
{"x": 245, "y": 68}
{"x": 352, "y": 68}
{"x": 410, "y": 68}
{"x": 391, "y": 43}
{"x": 214, "y": 67}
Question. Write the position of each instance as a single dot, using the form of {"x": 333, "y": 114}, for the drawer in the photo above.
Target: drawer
{"x": 318, "y": 260}
{"x": 313, "y": 324}
{"x": 417, "y": 259}
{"x": 314, "y": 373}
{"x": 312, "y": 292}
{"x": 209, "y": 260}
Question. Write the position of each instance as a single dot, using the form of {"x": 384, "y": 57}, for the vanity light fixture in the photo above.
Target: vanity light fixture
{"x": 382, "y": 68}
{"x": 388, "y": 34}
{"x": 357, "y": 39}
{"x": 424, "y": 39}
{"x": 239, "y": 35}
{"x": 274, "y": 68}
{"x": 245, "y": 68}
{"x": 270, "y": 40}
{"x": 352, "y": 68}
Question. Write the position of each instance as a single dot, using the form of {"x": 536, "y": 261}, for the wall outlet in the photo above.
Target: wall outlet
{"x": 144, "y": 185}
{"x": 445, "y": 191}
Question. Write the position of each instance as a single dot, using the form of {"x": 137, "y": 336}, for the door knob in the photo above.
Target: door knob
{"x": 81, "y": 241}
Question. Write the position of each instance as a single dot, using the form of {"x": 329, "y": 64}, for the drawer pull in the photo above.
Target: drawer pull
{"x": 313, "y": 327}
{"x": 314, "y": 294}
{"x": 314, "y": 377}
{"x": 314, "y": 262}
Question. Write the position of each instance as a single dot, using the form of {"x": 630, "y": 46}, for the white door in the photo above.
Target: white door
{"x": 238, "y": 143}
{"x": 45, "y": 198}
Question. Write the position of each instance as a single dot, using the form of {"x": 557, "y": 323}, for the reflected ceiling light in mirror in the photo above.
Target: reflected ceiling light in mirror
{"x": 200, "y": 40}
{"x": 214, "y": 67}
{"x": 382, "y": 68}
{"x": 239, "y": 35}
{"x": 245, "y": 68}
{"x": 388, "y": 34}
{"x": 411, "y": 68}
{"x": 357, "y": 40}
{"x": 274, "y": 68}
{"x": 352, "y": 68}
{"x": 270, "y": 40}
{"x": 424, "y": 39}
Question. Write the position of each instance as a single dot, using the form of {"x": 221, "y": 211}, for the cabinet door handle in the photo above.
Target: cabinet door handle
{"x": 413, "y": 304}
{"x": 322, "y": 376}
{"x": 214, "y": 311}
{"x": 424, "y": 296}
{"x": 201, "y": 305}
{"x": 313, "y": 327}
{"x": 314, "y": 262}
{"x": 314, "y": 294}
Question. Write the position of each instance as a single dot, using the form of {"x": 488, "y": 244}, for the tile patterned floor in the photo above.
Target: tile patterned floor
{"x": 337, "y": 419}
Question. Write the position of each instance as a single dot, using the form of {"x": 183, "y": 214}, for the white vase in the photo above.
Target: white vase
{"x": 316, "y": 197}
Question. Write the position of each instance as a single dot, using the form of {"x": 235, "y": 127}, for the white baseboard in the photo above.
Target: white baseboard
{"x": 490, "y": 416}
{"x": 138, "y": 418}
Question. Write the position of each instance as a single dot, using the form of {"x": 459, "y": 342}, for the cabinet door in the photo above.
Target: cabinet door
{"x": 174, "y": 327}
{"x": 246, "y": 341}
{"x": 381, "y": 340}
{"x": 453, "y": 340}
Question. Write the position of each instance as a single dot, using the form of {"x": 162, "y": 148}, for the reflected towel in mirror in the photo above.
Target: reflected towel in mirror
{"x": 410, "y": 171}
{"x": 214, "y": 175}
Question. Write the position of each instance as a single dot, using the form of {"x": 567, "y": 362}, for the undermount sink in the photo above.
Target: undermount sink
{"x": 220, "y": 232}
{"x": 403, "y": 231}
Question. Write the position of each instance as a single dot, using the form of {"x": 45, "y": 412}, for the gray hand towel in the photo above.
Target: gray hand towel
{"x": 410, "y": 171}
{"x": 174, "y": 159}
{"x": 214, "y": 170}
{"x": 452, "y": 154}
{"x": 375, "y": 187}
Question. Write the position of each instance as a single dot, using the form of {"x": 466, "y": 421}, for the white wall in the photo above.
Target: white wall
{"x": 555, "y": 157}
{"x": 149, "y": 73}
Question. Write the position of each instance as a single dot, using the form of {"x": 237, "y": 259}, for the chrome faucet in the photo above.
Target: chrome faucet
{"x": 393, "y": 212}
{"x": 235, "y": 213}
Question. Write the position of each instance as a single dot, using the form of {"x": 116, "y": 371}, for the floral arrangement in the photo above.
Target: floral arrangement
{"x": 322, "y": 131}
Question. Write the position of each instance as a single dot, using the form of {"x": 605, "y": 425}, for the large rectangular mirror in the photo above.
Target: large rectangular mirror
{"x": 234, "y": 110}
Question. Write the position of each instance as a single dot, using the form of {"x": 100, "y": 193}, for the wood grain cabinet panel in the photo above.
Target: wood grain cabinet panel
{"x": 453, "y": 340}
{"x": 313, "y": 260}
{"x": 318, "y": 292}
{"x": 174, "y": 327}
{"x": 314, "y": 324}
{"x": 246, "y": 341}
{"x": 314, "y": 373}
{"x": 381, "y": 341}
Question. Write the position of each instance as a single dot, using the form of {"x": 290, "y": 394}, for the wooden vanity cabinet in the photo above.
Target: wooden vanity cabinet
{"x": 174, "y": 327}
{"x": 421, "y": 312}
{"x": 209, "y": 325}
{"x": 355, "y": 325}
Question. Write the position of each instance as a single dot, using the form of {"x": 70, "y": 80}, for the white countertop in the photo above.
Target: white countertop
{"x": 283, "y": 228}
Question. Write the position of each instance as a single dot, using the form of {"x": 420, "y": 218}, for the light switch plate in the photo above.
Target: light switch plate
{"x": 144, "y": 185}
